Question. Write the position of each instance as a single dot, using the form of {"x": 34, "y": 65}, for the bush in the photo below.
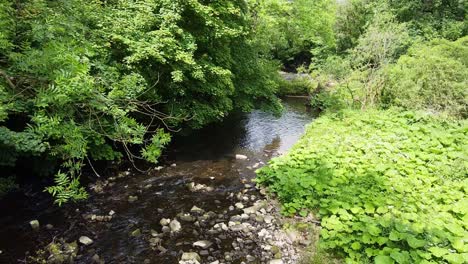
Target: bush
{"x": 389, "y": 186}
{"x": 432, "y": 76}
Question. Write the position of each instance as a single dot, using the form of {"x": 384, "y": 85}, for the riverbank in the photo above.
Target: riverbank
{"x": 123, "y": 215}
{"x": 388, "y": 186}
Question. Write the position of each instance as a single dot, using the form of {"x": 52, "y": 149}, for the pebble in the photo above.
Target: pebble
{"x": 132, "y": 199}
{"x": 204, "y": 244}
{"x": 34, "y": 224}
{"x": 175, "y": 225}
{"x": 164, "y": 221}
{"x": 136, "y": 232}
{"x": 241, "y": 157}
{"x": 49, "y": 226}
{"x": 188, "y": 256}
{"x": 239, "y": 205}
{"x": 85, "y": 240}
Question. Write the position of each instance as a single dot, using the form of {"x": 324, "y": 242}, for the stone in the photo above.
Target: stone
{"x": 34, "y": 224}
{"x": 268, "y": 219}
{"x": 276, "y": 261}
{"x": 132, "y": 199}
{"x": 111, "y": 212}
{"x": 239, "y": 205}
{"x": 204, "y": 252}
{"x": 136, "y": 232}
{"x": 173, "y": 165}
{"x": 96, "y": 258}
{"x": 175, "y": 226}
{"x": 204, "y": 244}
{"x": 197, "y": 210}
{"x": 190, "y": 256}
{"x": 186, "y": 218}
{"x": 49, "y": 226}
{"x": 215, "y": 262}
{"x": 85, "y": 240}
{"x": 241, "y": 157}
{"x": 164, "y": 221}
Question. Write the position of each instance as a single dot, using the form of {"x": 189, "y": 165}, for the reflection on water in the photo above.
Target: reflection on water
{"x": 249, "y": 134}
{"x": 266, "y": 131}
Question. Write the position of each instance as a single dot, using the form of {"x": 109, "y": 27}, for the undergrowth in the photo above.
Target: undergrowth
{"x": 388, "y": 186}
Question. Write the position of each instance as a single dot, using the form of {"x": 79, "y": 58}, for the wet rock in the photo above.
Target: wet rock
{"x": 186, "y": 217}
{"x": 164, "y": 221}
{"x": 241, "y": 157}
{"x": 34, "y": 224}
{"x": 190, "y": 256}
{"x": 111, "y": 212}
{"x": 136, "y": 233}
{"x": 132, "y": 199}
{"x": 175, "y": 225}
{"x": 173, "y": 165}
{"x": 49, "y": 226}
{"x": 239, "y": 205}
{"x": 215, "y": 262}
{"x": 197, "y": 210}
{"x": 276, "y": 261}
{"x": 166, "y": 229}
{"x": 96, "y": 258}
{"x": 199, "y": 187}
{"x": 85, "y": 240}
{"x": 204, "y": 244}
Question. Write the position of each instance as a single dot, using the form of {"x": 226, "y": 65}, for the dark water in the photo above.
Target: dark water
{"x": 204, "y": 157}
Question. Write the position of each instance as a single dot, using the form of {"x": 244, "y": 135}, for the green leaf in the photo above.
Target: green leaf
{"x": 383, "y": 260}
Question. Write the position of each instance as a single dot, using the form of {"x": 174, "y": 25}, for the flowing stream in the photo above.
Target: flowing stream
{"x": 205, "y": 158}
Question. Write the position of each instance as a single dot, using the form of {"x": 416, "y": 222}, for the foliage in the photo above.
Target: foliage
{"x": 433, "y": 19}
{"x": 432, "y": 76}
{"x": 296, "y": 31}
{"x": 94, "y": 79}
{"x": 67, "y": 186}
{"x": 389, "y": 186}
{"x": 351, "y": 21}
{"x": 152, "y": 152}
{"x": 301, "y": 85}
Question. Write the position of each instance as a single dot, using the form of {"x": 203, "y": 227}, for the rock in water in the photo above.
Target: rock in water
{"x": 276, "y": 261}
{"x": 175, "y": 226}
{"x": 34, "y": 224}
{"x": 136, "y": 232}
{"x": 132, "y": 199}
{"x": 164, "y": 221}
{"x": 190, "y": 256}
{"x": 241, "y": 157}
{"x": 85, "y": 240}
{"x": 204, "y": 244}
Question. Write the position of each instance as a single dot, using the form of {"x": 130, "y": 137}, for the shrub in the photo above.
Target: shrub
{"x": 432, "y": 76}
{"x": 389, "y": 186}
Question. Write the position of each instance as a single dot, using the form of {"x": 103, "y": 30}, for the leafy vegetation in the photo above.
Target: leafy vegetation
{"x": 388, "y": 185}
{"x": 82, "y": 81}
{"x": 296, "y": 32}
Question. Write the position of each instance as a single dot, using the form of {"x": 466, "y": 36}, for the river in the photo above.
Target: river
{"x": 205, "y": 158}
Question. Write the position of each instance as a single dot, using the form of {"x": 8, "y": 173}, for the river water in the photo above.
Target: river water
{"x": 204, "y": 157}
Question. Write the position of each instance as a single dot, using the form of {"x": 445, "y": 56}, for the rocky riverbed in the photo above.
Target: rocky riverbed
{"x": 200, "y": 206}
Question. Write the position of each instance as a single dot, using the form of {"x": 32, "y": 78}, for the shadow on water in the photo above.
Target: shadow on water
{"x": 206, "y": 156}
